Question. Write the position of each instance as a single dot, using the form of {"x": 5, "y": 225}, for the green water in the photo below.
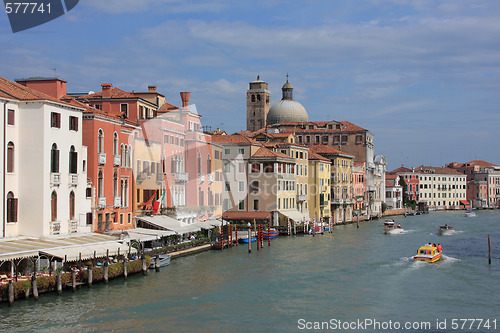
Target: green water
{"x": 348, "y": 275}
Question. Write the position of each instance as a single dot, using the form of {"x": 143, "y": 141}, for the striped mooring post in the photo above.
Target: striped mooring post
{"x": 268, "y": 233}
{"x": 236, "y": 233}
{"x": 222, "y": 238}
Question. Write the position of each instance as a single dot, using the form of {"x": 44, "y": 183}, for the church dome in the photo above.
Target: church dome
{"x": 287, "y": 110}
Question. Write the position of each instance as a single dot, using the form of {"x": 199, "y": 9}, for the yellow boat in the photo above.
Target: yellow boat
{"x": 428, "y": 253}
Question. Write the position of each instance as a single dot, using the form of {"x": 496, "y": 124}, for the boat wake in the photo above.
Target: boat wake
{"x": 448, "y": 259}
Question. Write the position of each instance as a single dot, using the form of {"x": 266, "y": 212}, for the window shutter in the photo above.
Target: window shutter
{"x": 73, "y": 162}
{"x": 55, "y": 161}
{"x": 12, "y": 204}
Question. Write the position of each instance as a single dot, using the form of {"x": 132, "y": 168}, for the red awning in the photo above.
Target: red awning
{"x": 246, "y": 215}
{"x": 464, "y": 202}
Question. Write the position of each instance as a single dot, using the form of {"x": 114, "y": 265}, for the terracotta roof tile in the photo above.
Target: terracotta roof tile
{"x": 264, "y": 152}
{"x": 322, "y": 149}
{"x": 233, "y": 138}
{"x": 14, "y": 90}
{"x": 313, "y": 156}
{"x": 167, "y": 107}
{"x": 114, "y": 92}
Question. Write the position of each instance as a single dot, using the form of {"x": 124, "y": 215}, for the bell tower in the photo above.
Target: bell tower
{"x": 258, "y": 104}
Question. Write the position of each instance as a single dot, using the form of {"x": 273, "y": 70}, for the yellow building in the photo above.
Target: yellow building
{"x": 341, "y": 183}
{"x": 319, "y": 187}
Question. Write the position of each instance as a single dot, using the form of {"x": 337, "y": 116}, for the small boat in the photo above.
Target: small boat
{"x": 273, "y": 233}
{"x": 446, "y": 230}
{"x": 245, "y": 240}
{"x": 391, "y": 228}
{"x": 470, "y": 213}
{"x": 164, "y": 261}
{"x": 428, "y": 253}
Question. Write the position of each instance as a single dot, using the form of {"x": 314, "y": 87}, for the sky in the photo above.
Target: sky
{"x": 422, "y": 76}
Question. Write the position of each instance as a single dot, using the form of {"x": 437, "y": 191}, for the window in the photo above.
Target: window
{"x": 11, "y": 207}
{"x": 72, "y": 205}
{"x": 209, "y": 164}
{"x": 359, "y": 139}
{"x": 256, "y": 205}
{"x": 241, "y": 167}
{"x": 115, "y": 185}
{"x": 115, "y": 143}
{"x": 124, "y": 109}
{"x": 241, "y": 205}
{"x": 199, "y": 163}
{"x": 100, "y": 141}
{"x": 10, "y": 157}
{"x": 73, "y": 160}
{"x": 11, "y": 117}
{"x": 241, "y": 186}
{"x": 100, "y": 185}
{"x": 54, "y": 159}
{"x": 227, "y": 151}
{"x": 55, "y": 120}
{"x": 73, "y": 123}
{"x": 254, "y": 186}
{"x": 241, "y": 151}
{"x": 53, "y": 206}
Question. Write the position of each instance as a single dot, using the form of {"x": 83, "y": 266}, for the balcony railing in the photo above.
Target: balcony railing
{"x": 116, "y": 160}
{"x": 73, "y": 179}
{"x": 201, "y": 178}
{"x": 210, "y": 177}
{"x": 101, "y": 202}
{"x": 55, "y": 179}
{"x": 117, "y": 202}
{"x": 73, "y": 226}
{"x": 55, "y": 227}
{"x": 181, "y": 177}
{"x": 101, "y": 158}
{"x": 301, "y": 198}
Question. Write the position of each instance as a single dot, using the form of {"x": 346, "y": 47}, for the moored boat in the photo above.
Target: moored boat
{"x": 245, "y": 240}
{"x": 391, "y": 228}
{"x": 446, "y": 230}
{"x": 470, "y": 213}
{"x": 271, "y": 234}
{"x": 429, "y": 253}
{"x": 164, "y": 261}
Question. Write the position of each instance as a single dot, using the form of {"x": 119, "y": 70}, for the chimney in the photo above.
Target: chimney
{"x": 185, "y": 99}
{"x": 106, "y": 90}
{"x": 152, "y": 88}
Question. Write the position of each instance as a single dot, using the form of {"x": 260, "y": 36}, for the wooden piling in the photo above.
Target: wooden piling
{"x": 59, "y": 283}
{"x": 249, "y": 239}
{"x": 11, "y": 293}
{"x": 90, "y": 272}
{"x": 106, "y": 272}
{"x": 236, "y": 233}
{"x": 125, "y": 273}
{"x": 34, "y": 287}
{"x": 144, "y": 268}
{"x": 73, "y": 279}
{"x": 489, "y": 250}
{"x": 157, "y": 263}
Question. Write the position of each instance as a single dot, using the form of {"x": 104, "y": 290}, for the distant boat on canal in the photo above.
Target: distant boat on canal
{"x": 273, "y": 233}
{"x": 445, "y": 230}
{"x": 390, "y": 228}
{"x": 245, "y": 240}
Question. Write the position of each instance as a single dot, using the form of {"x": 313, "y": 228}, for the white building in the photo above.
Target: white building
{"x": 441, "y": 188}
{"x": 393, "y": 192}
{"x": 44, "y": 179}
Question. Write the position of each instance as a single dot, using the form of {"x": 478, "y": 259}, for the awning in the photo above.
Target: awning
{"x": 145, "y": 235}
{"x": 203, "y": 225}
{"x": 293, "y": 215}
{"x": 17, "y": 248}
{"x": 72, "y": 253}
{"x": 464, "y": 202}
{"x": 164, "y": 222}
{"x": 213, "y": 222}
{"x": 246, "y": 215}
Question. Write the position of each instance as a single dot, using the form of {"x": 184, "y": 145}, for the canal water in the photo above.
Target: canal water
{"x": 298, "y": 282}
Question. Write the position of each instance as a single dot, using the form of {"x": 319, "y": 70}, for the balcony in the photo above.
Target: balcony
{"x": 73, "y": 179}
{"x": 141, "y": 177}
{"x": 73, "y": 226}
{"x": 301, "y": 198}
{"x": 338, "y": 201}
{"x": 117, "y": 201}
{"x": 55, "y": 228}
{"x": 210, "y": 178}
{"x": 55, "y": 179}
{"x": 101, "y": 158}
{"x": 181, "y": 177}
{"x": 116, "y": 160}
{"x": 101, "y": 202}
{"x": 201, "y": 178}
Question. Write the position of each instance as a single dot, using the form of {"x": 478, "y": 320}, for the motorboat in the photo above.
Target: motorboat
{"x": 164, "y": 261}
{"x": 391, "y": 228}
{"x": 429, "y": 253}
{"x": 272, "y": 233}
{"x": 470, "y": 213}
{"x": 446, "y": 230}
{"x": 245, "y": 240}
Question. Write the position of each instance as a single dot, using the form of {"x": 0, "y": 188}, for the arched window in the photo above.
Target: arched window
{"x": 10, "y": 157}
{"x": 172, "y": 164}
{"x": 100, "y": 141}
{"x": 72, "y": 205}
{"x": 115, "y": 185}
{"x": 115, "y": 143}
{"x": 73, "y": 160}
{"x": 11, "y": 207}
{"x": 100, "y": 185}
{"x": 129, "y": 157}
{"x": 258, "y": 97}
{"x": 54, "y": 159}
{"x": 199, "y": 162}
{"x": 253, "y": 98}
{"x": 123, "y": 157}
{"x": 53, "y": 206}
{"x": 209, "y": 164}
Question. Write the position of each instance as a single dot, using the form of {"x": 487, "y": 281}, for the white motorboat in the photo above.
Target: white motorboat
{"x": 470, "y": 213}
{"x": 391, "y": 228}
{"x": 445, "y": 230}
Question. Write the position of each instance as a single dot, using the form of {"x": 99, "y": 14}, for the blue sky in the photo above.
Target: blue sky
{"x": 422, "y": 76}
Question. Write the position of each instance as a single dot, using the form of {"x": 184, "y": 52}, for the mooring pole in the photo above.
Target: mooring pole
{"x": 249, "y": 237}
{"x": 357, "y": 224}
{"x": 268, "y": 233}
{"x": 489, "y": 250}
{"x": 236, "y": 233}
